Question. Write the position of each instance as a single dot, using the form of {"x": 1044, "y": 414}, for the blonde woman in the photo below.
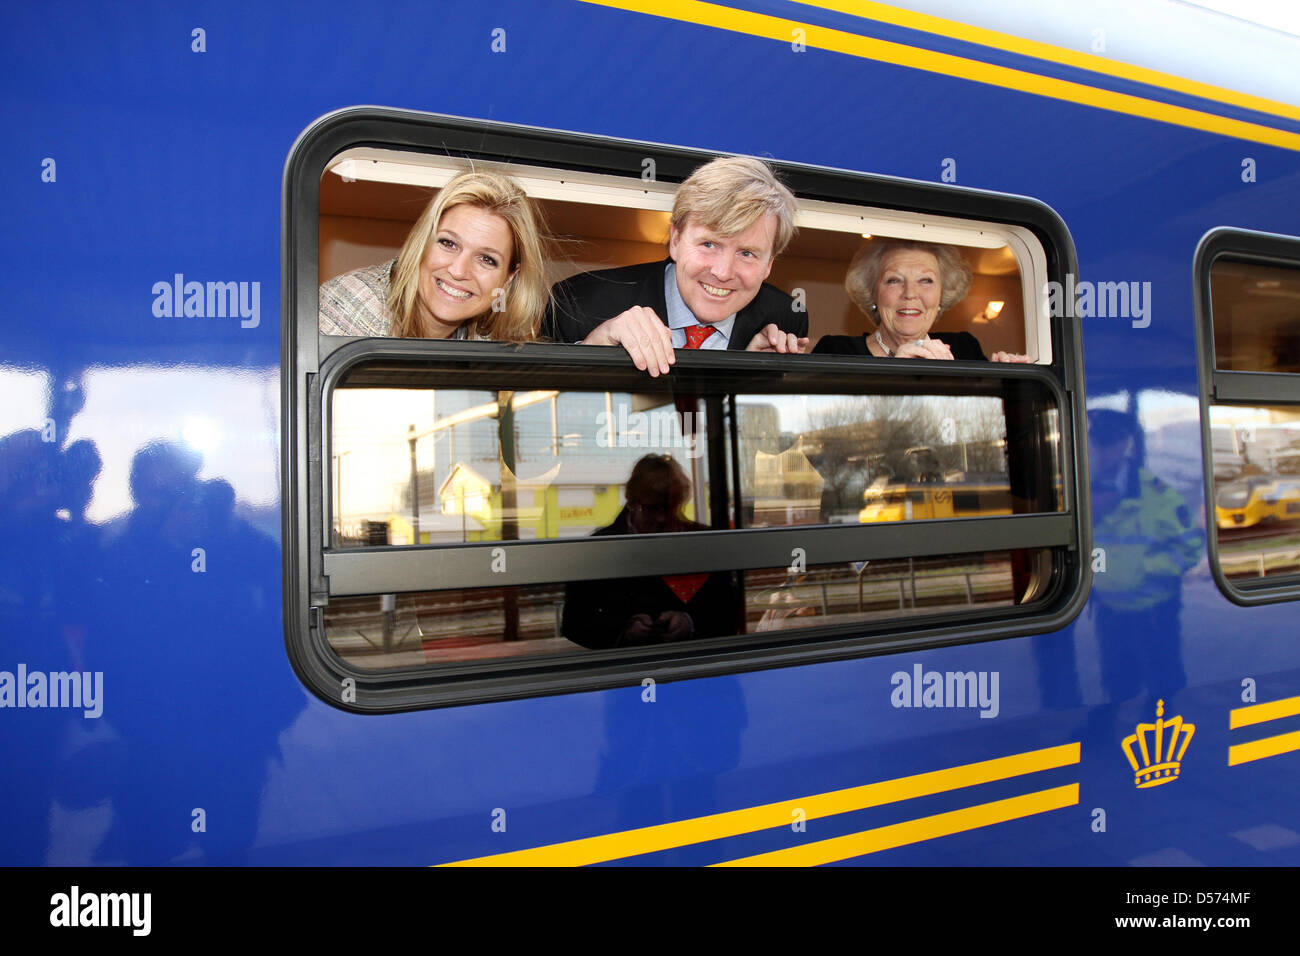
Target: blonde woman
{"x": 471, "y": 268}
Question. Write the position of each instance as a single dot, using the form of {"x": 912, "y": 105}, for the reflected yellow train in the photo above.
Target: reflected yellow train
{"x": 901, "y": 501}
{"x": 1259, "y": 499}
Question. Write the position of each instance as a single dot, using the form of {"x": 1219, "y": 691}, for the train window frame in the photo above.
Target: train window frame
{"x": 1238, "y": 388}
{"x": 311, "y": 364}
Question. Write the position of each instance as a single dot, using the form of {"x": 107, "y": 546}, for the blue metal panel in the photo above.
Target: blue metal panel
{"x": 168, "y": 161}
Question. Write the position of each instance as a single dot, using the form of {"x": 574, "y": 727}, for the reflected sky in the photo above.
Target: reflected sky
{"x": 25, "y": 395}
{"x": 229, "y": 415}
{"x": 804, "y": 413}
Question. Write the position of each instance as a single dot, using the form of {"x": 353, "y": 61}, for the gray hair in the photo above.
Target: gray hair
{"x": 864, "y": 272}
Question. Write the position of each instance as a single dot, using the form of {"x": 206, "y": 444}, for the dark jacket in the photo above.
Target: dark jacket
{"x": 596, "y": 613}
{"x": 582, "y": 302}
{"x": 964, "y": 345}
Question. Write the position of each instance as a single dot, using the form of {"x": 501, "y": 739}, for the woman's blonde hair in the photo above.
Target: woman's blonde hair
{"x": 864, "y": 272}
{"x": 517, "y": 314}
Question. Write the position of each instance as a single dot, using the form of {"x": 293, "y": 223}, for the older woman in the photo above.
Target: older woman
{"x": 470, "y": 268}
{"x": 903, "y": 286}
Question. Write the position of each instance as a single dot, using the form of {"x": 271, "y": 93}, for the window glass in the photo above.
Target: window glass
{"x": 414, "y": 459}
{"x": 1256, "y": 316}
{"x": 835, "y": 459}
{"x": 1256, "y": 491}
{"x": 448, "y": 466}
{"x": 417, "y": 630}
{"x": 451, "y": 466}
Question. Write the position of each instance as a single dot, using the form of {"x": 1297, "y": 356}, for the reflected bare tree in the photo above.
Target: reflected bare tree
{"x": 859, "y": 440}
{"x": 971, "y": 436}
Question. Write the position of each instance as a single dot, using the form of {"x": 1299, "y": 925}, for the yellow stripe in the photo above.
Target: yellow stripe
{"x": 1259, "y": 749}
{"x": 666, "y": 836}
{"x": 915, "y": 831}
{"x": 927, "y": 23}
{"x": 851, "y": 44}
{"x": 1258, "y": 713}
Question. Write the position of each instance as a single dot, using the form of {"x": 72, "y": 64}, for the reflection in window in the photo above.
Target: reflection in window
{"x": 443, "y": 627}
{"x": 1255, "y": 311}
{"x": 27, "y": 399}
{"x": 808, "y": 459}
{"x": 871, "y": 590}
{"x": 415, "y": 462}
{"x": 451, "y": 466}
{"x": 1256, "y": 490}
{"x": 435, "y": 627}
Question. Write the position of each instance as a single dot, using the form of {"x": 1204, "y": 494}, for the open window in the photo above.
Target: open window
{"x": 370, "y": 197}
{"x": 1248, "y": 302}
{"x": 469, "y": 521}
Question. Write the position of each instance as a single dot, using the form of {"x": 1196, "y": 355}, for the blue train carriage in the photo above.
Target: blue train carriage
{"x": 1070, "y": 664}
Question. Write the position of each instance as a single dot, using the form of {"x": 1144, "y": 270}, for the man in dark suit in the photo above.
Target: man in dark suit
{"x": 731, "y": 219}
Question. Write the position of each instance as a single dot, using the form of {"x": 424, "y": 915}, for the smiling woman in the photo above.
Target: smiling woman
{"x": 902, "y": 286}
{"x": 471, "y": 267}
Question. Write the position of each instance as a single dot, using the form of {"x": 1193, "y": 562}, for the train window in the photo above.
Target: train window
{"x": 1248, "y": 296}
{"x": 414, "y": 465}
{"x": 1254, "y": 307}
{"x": 370, "y": 199}
{"x": 1256, "y": 459}
{"x": 475, "y": 520}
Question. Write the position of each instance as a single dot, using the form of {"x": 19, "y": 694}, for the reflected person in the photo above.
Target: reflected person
{"x": 651, "y": 610}
{"x": 200, "y": 585}
{"x": 1150, "y": 541}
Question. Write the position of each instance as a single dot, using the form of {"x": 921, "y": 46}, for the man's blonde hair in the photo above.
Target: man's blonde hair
{"x": 729, "y": 194}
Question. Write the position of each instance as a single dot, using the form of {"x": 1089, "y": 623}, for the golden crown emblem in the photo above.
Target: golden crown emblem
{"x": 1161, "y": 746}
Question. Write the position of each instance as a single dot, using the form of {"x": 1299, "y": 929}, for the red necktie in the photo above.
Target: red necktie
{"x": 686, "y": 586}
{"x": 696, "y": 334}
